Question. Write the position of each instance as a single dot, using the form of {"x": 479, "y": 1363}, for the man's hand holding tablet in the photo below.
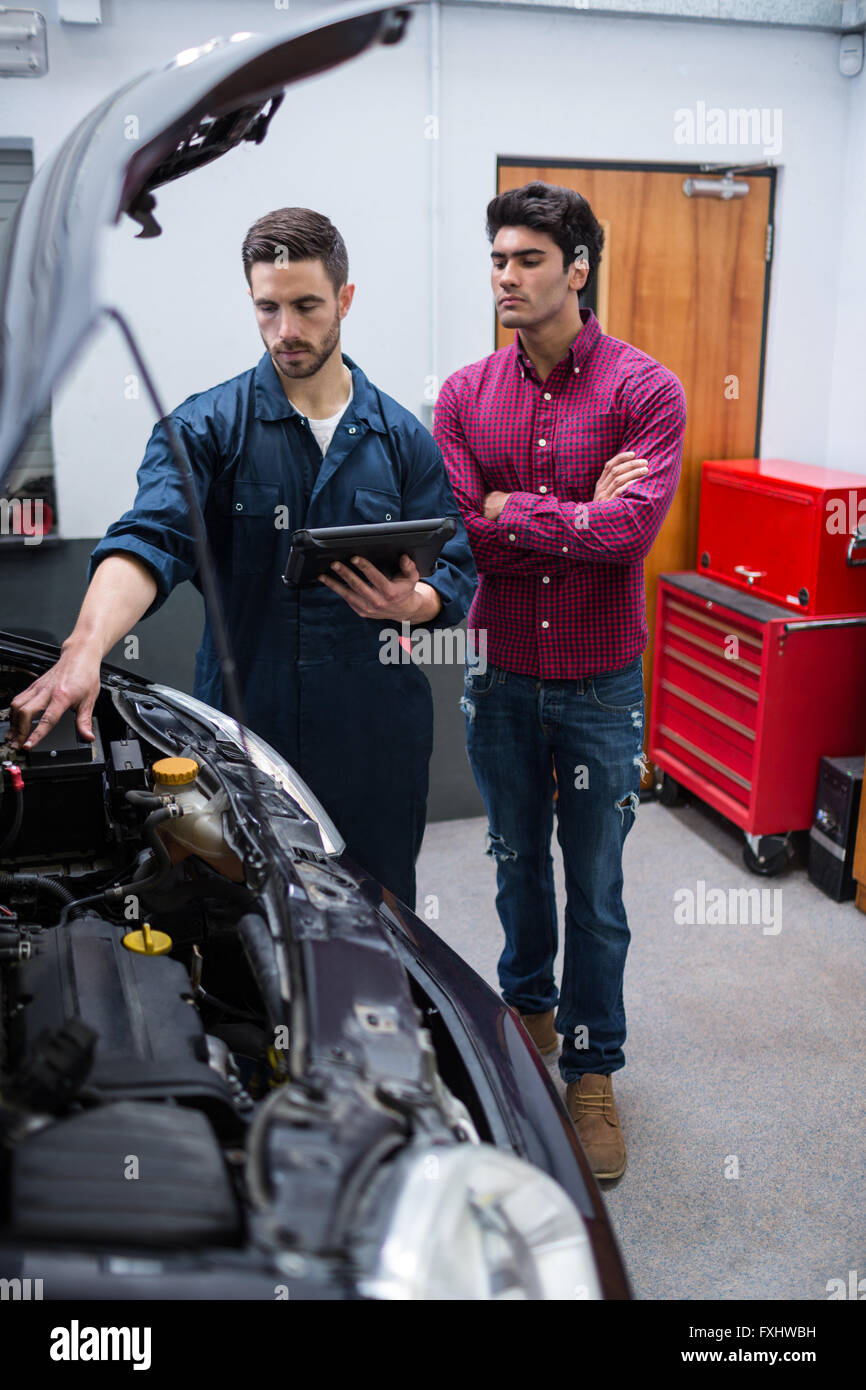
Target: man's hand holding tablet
{"x": 372, "y": 595}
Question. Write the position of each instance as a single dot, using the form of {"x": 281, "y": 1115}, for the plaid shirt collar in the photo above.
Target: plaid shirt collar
{"x": 580, "y": 349}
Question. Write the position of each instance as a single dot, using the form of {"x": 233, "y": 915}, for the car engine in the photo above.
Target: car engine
{"x": 128, "y": 976}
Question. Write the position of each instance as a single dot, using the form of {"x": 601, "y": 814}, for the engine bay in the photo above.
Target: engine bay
{"x": 171, "y": 906}
{"x": 130, "y": 972}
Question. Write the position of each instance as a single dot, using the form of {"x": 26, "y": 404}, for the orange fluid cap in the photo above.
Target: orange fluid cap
{"x": 175, "y": 772}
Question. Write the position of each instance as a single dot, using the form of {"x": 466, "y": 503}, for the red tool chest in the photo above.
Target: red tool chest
{"x": 785, "y": 531}
{"x": 747, "y": 697}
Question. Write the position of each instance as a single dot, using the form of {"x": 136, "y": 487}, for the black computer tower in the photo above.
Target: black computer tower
{"x": 834, "y": 829}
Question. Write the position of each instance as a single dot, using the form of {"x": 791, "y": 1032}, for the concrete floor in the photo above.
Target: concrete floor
{"x": 745, "y": 1053}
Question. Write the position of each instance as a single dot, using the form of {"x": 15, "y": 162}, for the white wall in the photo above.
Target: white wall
{"x": 352, "y": 144}
{"x": 847, "y": 403}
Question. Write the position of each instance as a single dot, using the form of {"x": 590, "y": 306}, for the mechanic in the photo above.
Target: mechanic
{"x": 303, "y": 439}
{"x": 564, "y": 452}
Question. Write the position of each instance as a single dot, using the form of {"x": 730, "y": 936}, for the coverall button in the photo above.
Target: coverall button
{"x": 239, "y": 506}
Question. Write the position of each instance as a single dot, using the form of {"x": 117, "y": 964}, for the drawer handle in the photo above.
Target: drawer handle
{"x": 706, "y": 757}
{"x": 857, "y": 542}
{"x": 728, "y": 628}
{"x": 708, "y": 671}
{"x": 749, "y": 575}
{"x": 711, "y": 647}
{"x": 709, "y": 709}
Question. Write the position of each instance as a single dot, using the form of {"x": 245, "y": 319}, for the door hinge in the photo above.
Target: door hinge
{"x": 768, "y": 247}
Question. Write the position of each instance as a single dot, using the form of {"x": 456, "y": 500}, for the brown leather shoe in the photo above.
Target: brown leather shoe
{"x": 541, "y": 1030}
{"x": 592, "y": 1108}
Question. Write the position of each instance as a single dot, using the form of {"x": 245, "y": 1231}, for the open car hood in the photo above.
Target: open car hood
{"x": 202, "y": 104}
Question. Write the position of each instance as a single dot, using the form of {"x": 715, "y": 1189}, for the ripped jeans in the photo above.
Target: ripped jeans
{"x": 589, "y": 732}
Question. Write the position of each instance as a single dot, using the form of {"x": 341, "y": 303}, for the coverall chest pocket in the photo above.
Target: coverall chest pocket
{"x": 254, "y": 526}
{"x": 373, "y": 504}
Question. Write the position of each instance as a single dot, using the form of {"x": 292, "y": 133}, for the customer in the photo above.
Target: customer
{"x": 564, "y": 453}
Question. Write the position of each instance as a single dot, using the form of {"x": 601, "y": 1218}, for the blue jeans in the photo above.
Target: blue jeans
{"x": 520, "y": 730}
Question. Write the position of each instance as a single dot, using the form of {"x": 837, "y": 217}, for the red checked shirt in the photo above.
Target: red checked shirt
{"x": 561, "y": 583}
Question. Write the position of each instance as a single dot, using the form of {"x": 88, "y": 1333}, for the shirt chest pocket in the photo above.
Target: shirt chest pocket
{"x": 375, "y": 505}
{"x": 254, "y": 526}
{"x": 583, "y": 450}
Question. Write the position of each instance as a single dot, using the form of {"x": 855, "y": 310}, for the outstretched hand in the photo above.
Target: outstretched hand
{"x": 72, "y": 683}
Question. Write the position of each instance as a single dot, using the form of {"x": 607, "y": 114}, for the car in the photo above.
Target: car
{"x": 233, "y": 1066}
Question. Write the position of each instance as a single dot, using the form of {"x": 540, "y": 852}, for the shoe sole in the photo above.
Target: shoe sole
{"x": 605, "y": 1177}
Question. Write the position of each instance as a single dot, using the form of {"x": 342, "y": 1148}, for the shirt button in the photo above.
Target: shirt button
{"x": 542, "y": 488}
{"x": 545, "y": 579}
{"x": 545, "y": 623}
{"x": 352, "y": 429}
{"x": 541, "y": 443}
{"x": 576, "y": 370}
{"x": 512, "y": 537}
{"x": 239, "y": 506}
{"x": 547, "y": 395}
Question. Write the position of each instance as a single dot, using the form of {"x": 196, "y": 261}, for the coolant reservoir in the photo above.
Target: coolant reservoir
{"x": 200, "y": 829}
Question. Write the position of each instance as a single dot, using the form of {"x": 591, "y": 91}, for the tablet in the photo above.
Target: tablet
{"x": 313, "y": 552}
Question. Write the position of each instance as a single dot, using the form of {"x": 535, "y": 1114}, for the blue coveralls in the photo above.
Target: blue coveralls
{"x": 358, "y": 731}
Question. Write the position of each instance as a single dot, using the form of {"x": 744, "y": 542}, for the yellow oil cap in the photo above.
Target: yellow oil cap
{"x": 147, "y": 942}
{"x": 175, "y": 772}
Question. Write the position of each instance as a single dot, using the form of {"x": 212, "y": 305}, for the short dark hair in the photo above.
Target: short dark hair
{"x": 300, "y": 234}
{"x": 565, "y": 215}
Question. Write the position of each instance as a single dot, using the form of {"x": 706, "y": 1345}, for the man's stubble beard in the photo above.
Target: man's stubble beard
{"x": 318, "y": 357}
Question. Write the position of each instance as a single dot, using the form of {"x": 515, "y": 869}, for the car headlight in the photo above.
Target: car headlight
{"x": 266, "y": 758}
{"x": 471, "y": 1222}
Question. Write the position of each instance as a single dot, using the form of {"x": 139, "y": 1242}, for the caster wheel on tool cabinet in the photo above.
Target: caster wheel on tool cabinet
{"x": 770, "y": 862}
{"x": 671, "y": 793}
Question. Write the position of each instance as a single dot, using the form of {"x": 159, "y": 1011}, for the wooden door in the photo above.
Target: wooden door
{"x": 686, "y": 280}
